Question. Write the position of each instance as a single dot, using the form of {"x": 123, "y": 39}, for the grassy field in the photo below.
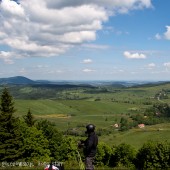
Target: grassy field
{"x": 72, "y": 114}
{"x": 75, "y": 112}
{"x": 74, "y": 108}
{"x": 137, "y": 137}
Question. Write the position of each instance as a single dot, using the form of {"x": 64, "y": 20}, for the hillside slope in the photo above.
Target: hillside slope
{"x": 16, "y": 80}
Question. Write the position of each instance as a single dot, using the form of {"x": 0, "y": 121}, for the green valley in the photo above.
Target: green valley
{"x": 71, "y": 107}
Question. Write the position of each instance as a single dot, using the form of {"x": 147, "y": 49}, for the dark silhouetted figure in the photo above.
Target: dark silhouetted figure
{"x": 90, "y": 146}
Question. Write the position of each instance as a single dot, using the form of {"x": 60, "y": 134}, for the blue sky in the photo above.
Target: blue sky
{"x": 85, "y": 40}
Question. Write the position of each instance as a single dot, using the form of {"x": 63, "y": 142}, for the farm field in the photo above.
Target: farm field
{"x": 137, "y": 137}
{"x": 72, "y": 107}
{"x": 75, "y": 112}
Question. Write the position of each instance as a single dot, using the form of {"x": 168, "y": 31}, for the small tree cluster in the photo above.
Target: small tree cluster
{"x": 25, "y": 140}
{"x": 154, "y": 155}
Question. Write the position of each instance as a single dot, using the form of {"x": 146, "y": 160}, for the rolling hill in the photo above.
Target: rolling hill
{"x": 16, "y": 80}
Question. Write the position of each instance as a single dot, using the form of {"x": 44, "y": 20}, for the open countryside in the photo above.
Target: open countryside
{"x": 72, "y": 107}
{"x": 128, "y": 118}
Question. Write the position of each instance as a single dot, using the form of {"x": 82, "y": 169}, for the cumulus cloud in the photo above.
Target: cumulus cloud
{"x": 158, "y": 36}
{"x": 45, "y": 28}
{"x": 95, "y": 46}
{"x": 88, "y": 70}
{"x": 130, "y": 55}
{"x": 22, "y": 71}
{"x": 151, "y": 65}
{"x": 167, "y": 33}
{"x": 123, "y": 4}
{"x": 42, "y": 66}
{"x": 6, "y": 57}
{"x": 167, "y": 65}
{"x": 87, "y": 61}
{"x": 9, "y": 8}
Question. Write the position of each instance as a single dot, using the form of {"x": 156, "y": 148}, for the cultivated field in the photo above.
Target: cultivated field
{"x": 104, "y": 106}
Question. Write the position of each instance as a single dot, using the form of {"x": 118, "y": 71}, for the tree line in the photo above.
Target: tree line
{"x": 28, "y": 140}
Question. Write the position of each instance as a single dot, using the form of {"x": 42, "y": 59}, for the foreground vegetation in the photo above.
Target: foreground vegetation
{"x": 37, "y": 140}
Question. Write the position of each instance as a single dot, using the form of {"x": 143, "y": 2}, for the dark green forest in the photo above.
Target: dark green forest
{"x": 28, "y": 140}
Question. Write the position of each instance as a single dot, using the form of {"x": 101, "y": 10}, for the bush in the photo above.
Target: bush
{"x": 123, "y": 156}
{"x": 103, "y": 155}
{"x": 154, "y": 155}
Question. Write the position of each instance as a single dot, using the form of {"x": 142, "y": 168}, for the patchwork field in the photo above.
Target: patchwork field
{"x": 72, "y": 108}
{"x": 137, "y": 137}
{"x": 101, "y": 113}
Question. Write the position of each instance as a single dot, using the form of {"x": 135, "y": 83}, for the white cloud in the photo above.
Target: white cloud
{"x": 151, "y": 65}
{"x": 121, "y": 71}
{"x": 167, "y": 65}
{"x": 87, "y": 61}
{"x": 42, "y": 66}
{"x": 88, "y": 70}
{"x": 9, "y": 7}
{"x": 6, "y": 57}
{"x": 123, "y": 4}
{"x": 59, "y": 71}
{"x": 95, "y": 46}
{"x": 77, "y": 37}
{"x": 45, "y": 28}
{"x": 167, "y": 33}
{"x": 22, "y": 71}
{"x": 130, "y": 55}
{"x": 158, "y": 36}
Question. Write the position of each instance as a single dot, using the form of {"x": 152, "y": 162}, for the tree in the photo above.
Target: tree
{"x": 62, "y": 148}
{"x": 10, "y": 134}
{"x": 123, "y": 156}
{"x": 67, "y": 149}
{"x": 124, "y": 124}
{"x": 153, "y": 155}
{"x": 36, "y": 146}
{"x": 163, "y": 109}
{"x": 103, "y": 155}
{"x": 29, "y": 119}
{"x": 54, "y": 137}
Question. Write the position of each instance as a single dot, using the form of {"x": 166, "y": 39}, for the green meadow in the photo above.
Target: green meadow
{"x": 137, "y": 137}
{"x": 74, "y": 108}
{"x": 75, "y": 114}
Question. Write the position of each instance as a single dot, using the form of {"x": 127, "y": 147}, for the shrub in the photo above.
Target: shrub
{"x": 123, "y": 156}
{"x": 153, "y": 155}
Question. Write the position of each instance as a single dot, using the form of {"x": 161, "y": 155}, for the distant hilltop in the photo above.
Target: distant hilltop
{"x": 16, "y": 80}
{"x": 22, "y": 80}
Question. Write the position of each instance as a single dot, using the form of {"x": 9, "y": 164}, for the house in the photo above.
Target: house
{"x": 116, "y": 125}
{"x": 141, "y": 125}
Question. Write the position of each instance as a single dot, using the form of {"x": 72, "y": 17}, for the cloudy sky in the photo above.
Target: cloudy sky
{"x": 85, "y": 39}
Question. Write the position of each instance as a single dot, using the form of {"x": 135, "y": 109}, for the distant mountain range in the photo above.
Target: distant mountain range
{"x": 20, "y": 80}
{"x": 16, "y": 80}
